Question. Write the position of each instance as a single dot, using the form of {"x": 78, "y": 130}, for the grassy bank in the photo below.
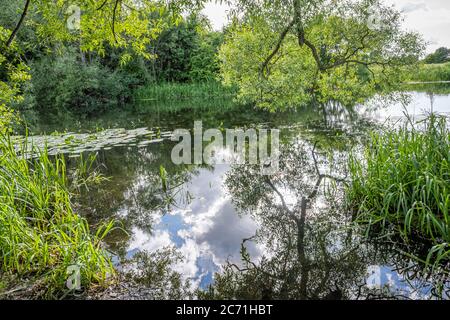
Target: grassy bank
{"x": 402, "y": 187}
{"x": 430, "y": 72}
{"x": 40, "y": 234}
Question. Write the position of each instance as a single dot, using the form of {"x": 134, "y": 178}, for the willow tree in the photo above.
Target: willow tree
{"x": 93, "y": 24}
{"x": 286, "y": 53}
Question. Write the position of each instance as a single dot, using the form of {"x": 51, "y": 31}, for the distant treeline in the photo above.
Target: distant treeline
{"x": 441, "y": 55}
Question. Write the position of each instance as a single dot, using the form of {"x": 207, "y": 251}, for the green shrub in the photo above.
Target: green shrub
{"x": 186, "y": 52}
{"x": 63, "y": 83}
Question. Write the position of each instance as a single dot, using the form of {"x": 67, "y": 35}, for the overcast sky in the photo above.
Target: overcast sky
{"x": 431, "y": 18}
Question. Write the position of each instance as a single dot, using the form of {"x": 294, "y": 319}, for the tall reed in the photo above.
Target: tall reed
{"x": 40, "y": 234}
{"x": 401, "y": 184}
{"x": 430, "y": 72}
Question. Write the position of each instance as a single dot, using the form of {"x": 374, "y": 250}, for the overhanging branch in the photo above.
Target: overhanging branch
{"x": 19, "y": 24}
{"x": 277, "y": 48}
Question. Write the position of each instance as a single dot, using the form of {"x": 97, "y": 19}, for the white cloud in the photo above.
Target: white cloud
{"x": 430, "y": 18}
{"x": 142, "y": 241}
{"x": 217, "y": 14}
{"x": 410, "y": 7}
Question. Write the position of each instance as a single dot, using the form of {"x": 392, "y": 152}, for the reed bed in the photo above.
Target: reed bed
{"x": 183, "y": 91}
{"x": 40, "y": 234}
{"x": 430, "y": 72}
{"x": 401, "y": 186}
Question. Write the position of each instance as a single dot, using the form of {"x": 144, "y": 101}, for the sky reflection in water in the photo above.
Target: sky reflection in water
{"x": 208, "y": 230}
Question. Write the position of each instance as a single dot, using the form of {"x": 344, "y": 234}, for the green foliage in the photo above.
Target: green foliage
{"x": 441, "y": 55}
{"x": 402, "y": 186}
{"x": 113, "y": 30}
{"x": 63, "y": 83}
{"x": 13, "y": 73}
{"x": 430, "y": 72}
{"x": 123, "y": 24}
{"x": 280, "y": 58}
{"x": 40, "y": 234}
{"x": 68, "y": 79}
{"x": 241, "y": 57}
{"x": 205, "y": 65}
{"x": 26, "y": 37}
{"x": 186, "y": 52}
{"x": 173, "y": 51}
{"x": 7, "y": 119}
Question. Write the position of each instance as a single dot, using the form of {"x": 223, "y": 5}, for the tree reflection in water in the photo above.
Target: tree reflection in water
{"x": 312, "y": 250}
{"x": 310, "y": 246}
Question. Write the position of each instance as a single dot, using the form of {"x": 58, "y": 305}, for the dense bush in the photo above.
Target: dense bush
{"x": 40, "y": 234}
{"x": 186, "y": 53}
{"x": 204, "y": 62}
{"x": 65, "y": 83}
{"x": 82, "y": 84}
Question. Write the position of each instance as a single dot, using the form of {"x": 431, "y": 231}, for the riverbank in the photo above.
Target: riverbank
{"x": 400, "y": 190}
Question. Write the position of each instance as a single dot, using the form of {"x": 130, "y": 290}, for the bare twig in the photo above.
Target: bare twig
{"x": 102, "y": 5}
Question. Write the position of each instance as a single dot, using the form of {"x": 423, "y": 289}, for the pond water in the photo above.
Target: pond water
{"x": 210, "y": 212}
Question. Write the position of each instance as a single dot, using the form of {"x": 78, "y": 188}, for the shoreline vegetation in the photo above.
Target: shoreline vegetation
{"x": 173, "y": 97}
{"x": 400, "y": 189}
{"x": 183, "y": 91}
{"x": 429, "y": 73}
{"x": 41, "y": 235}
{"x": 167, "y": 58}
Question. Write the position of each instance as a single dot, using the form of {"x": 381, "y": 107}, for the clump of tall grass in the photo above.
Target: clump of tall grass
{"x": 402, "y": 186}
{"x": 175, "y": 97}
{"x": 40, "y": 234}
{"x": 183, "y": 91}
{"x": 430, "y": 72}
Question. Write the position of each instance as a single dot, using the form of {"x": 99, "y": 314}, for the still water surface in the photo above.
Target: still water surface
{"x": 208, "y": 212}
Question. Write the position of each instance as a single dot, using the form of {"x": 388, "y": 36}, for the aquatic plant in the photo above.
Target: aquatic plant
{"x": 75, "y": 144}
{"x": 40, "y": 234}
{"x": 179, "y": 92}
{"x": 401, "y": 187}
{"x": 430, "y": 72}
